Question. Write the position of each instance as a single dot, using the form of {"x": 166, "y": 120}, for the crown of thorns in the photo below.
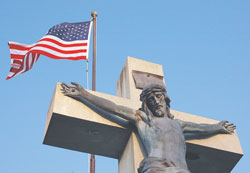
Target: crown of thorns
{"x": 150, "y": 89}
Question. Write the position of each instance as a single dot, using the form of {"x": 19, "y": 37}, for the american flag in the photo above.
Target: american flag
{"x": 63, "y": 41}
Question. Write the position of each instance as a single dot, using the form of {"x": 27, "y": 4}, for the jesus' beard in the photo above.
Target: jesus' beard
{"x": 159, "y": 112}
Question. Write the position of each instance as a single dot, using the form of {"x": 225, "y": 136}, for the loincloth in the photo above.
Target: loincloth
{"x": 158, "y": 165}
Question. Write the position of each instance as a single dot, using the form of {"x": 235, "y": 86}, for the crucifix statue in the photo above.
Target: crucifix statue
{"x": 162, "y": 135}
{"x": 161, "y": 132}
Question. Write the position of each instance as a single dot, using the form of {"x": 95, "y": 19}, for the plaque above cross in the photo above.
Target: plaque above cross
{"x": 85, "y": 128}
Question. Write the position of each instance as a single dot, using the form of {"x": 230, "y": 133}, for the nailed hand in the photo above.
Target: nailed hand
{"x": 226, "y": 127}
{"x": 72, "y": 91}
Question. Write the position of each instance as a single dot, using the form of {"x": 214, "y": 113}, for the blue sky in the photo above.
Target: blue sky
{"x": 203, "y": 46}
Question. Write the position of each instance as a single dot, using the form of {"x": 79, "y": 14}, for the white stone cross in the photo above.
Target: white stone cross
{"x": 76, "y": 126}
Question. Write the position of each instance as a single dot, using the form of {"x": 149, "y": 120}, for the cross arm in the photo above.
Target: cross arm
{"x": 79, "y": 93}
{"x": 221, "y": 127}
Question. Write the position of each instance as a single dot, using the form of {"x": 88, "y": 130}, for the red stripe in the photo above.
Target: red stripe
{"x": 57, "y": 57}
{"x": 27, "y": 63}
{"x": 14, "y": 56}
{"x": 61, "y": 51}
{"x": 63, "y": 45}
{"x": 17, "y": 62}
{"x": 18, "y": 47}
{"x": 33, "y": 60}
{"x": 9, "y": 77}
{"x": 22, "y": 47}
{"x": 14, "y": 70}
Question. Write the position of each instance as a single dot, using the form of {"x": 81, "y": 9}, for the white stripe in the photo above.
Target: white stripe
{"x": 90, "y": 27}
{"x": 10, "y": 74}
{"x": 30, "y": 60}
{"x": 20, "y": 44}
{"x": 54, "y": 38}
{"x": 64, "y": 42}
{"x": 57, "y": 53}
{"x": 23, "y": 52}
{"x": 24, "y": 65}
{"x": 16, "y": 66}
{"x": 36, "y": 57}
{"x": 18, "y": 52}
{"x": 60, "y": 47}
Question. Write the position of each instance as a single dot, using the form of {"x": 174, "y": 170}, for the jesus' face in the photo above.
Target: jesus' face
{"x": 157, "y": 104}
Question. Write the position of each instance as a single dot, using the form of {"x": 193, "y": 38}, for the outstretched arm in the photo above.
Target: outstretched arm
{"x": 79, "y": 93}
{"x": 221, "y": 127}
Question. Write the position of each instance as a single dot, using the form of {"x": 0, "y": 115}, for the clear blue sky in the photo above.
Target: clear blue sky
{"x": 204, "y": 47}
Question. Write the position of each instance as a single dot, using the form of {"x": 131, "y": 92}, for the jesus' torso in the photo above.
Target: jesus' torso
{"x": 163, "y": 138}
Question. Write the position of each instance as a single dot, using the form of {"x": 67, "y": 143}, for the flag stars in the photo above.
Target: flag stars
{"x": 70, "y": 32}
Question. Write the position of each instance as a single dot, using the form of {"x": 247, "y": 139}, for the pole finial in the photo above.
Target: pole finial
{"x": 94, "y": 14}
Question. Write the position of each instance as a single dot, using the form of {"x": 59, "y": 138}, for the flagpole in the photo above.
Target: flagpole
{"x": 94, "y": 15}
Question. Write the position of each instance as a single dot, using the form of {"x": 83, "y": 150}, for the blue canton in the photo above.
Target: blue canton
{"x": 71, "y": 31}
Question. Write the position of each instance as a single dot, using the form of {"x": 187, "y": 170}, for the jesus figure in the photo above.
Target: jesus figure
{"x": 161, "y": 134}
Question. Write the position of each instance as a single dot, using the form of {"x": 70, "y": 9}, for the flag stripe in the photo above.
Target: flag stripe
{"x": 61, "y": 47}
{"x": 32, "y": 61}
{"x": 13, "y": 56}
{"x": 18, "y": 46}
{"x": 61, "y": 43}
{"x": 56, "y": 53}
{"x": 68, "y": 50}
{"x": 72, "y": 51}
{"x": 28, "y": 57}
{"x": 17, "y": 62}
{"x": 14, "y": 70}
{"x": 78, "y": 57}
{"x": 18, "y": 52}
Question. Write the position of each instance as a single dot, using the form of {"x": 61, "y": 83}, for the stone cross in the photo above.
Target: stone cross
{"x": 83, "y": 127}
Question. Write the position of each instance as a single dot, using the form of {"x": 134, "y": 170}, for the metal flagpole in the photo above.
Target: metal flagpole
{"x": 94, "y": 15}
{"x": 87, "y": 71}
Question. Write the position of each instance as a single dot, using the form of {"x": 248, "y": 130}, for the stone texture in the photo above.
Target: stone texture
{"x": 75, "y": 126}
